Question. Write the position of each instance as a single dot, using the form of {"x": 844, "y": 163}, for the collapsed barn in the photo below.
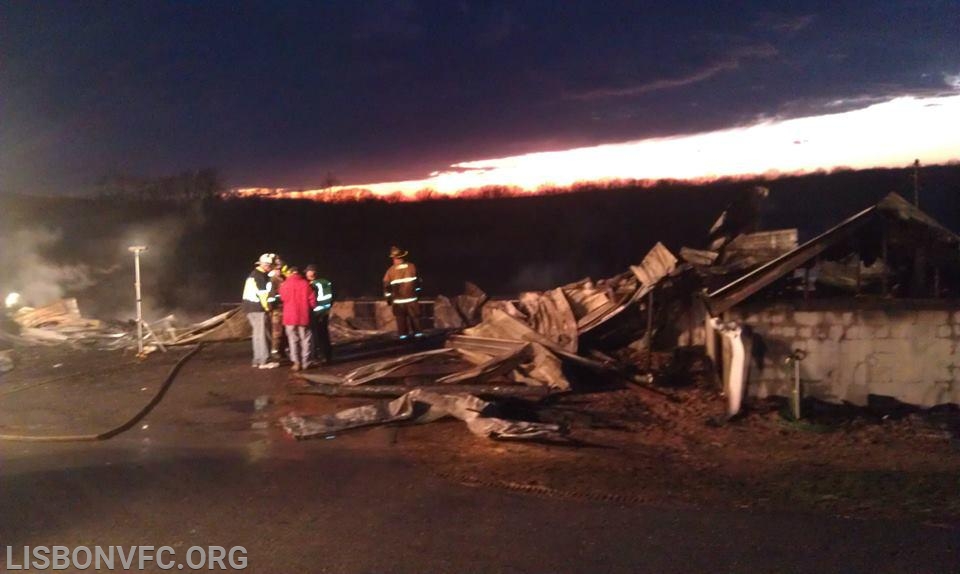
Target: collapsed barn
{"x": 868, "y": 308}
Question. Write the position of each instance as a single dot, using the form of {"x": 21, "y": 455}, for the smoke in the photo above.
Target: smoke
{"x": 541, "y": 276}
{"x": 171, "y": 284}
{"x": 65, "y": 256}
{"x": 27, "y": 269}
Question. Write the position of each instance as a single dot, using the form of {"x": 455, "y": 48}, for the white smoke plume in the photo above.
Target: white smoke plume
{"x": 26, "y": 269}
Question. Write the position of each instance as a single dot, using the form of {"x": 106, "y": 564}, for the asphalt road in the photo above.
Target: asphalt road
{"x": 202, "y": 471}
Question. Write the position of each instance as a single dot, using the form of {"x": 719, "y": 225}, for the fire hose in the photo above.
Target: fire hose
{"x": 167, "y": 382}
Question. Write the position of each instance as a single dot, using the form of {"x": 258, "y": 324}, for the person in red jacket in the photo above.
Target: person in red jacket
{"x": 298, "y": 299}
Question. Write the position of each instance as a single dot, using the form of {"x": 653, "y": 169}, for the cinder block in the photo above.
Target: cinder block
{"x": 835, "y": 332}
{"x": 935, "y": 317}
{"x": 881, "y": 332}
{"x": 944, "y": 331}
{"x": 807, "y": 318}
{"x": 901, "y": 330}
{"x": 804, "y": 332}
{"x": 831, "y": 318}
{"x": 789, "y": 332}
{"x": 873, "y": 318}
{"x": 854, "y": 333}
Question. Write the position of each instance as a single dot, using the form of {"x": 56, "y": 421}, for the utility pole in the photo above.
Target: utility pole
{"x": 916, "y": 183}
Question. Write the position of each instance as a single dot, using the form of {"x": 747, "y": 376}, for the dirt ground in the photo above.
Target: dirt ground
{"x": 666, "y": 446}
{"x": 632, "y": 445}
{"x": 660, "y": 446}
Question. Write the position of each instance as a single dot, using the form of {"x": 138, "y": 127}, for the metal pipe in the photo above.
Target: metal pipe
{"x": 796, "y": 390}
{"x": 796, "y": 358}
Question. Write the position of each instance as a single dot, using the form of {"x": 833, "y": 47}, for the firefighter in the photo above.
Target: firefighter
{"x": 276, "y": 308}
{"x": 401, "y": 287}
{"x": 323, "y": 289}
{"x": 256, "y": 304}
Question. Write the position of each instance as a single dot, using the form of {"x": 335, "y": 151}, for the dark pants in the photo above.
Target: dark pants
{"x": 408, "y": 318}
{"x": 276, "y": 331}
{"x": 320, "y": 325}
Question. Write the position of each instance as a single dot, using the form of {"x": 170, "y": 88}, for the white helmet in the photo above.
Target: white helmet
{"x": 267, "y": 259}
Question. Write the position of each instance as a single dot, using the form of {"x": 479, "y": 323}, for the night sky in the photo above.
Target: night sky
{"x": 279, "y": 94}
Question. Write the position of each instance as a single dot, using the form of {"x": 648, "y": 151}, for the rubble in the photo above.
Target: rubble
{"x": 515, "y": 349}
{"x": 759, "y": 247}
{"x": 420, "y": 406}
{"x": 550, "y": 315}
{"x": 869, "y": 304}
{"x": 228, "y": 326}
{"x": 469, "y": 303}
{"x": 60, "y": 322}
{"x": 851, "y": 273}
{"x": 6, "y": 361}
{"x": 538, "y": 341}
{"x": 698, "y": 257}
{"x": 480, "y": 390}
{"x": 376, "y": 370}
{"x": 445, "y": 315}
{"x": 341, "y": 332}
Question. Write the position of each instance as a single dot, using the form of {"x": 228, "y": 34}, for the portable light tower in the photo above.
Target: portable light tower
{"x": 137, "y": 250}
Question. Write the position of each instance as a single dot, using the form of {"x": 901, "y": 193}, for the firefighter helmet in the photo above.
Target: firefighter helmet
{"x": 267, "y": 259}
{"x": 398, "y": 253}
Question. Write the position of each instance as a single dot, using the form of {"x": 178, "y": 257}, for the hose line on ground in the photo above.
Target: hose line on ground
{"x": 123, "y": 427}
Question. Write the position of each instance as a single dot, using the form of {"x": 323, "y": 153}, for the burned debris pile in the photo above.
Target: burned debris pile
{"x": 523, "y": 348}
{"x": 774, "y": 317}
{"x": 61, "y": 323}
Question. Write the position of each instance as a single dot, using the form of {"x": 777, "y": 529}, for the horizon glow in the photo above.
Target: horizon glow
{"x": 888, "y": 134}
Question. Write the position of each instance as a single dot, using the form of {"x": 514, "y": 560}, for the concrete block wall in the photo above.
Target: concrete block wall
{"x": 909, "y": 354}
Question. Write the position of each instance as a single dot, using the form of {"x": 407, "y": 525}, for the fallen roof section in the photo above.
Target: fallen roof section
{"x": 420, "y": 406}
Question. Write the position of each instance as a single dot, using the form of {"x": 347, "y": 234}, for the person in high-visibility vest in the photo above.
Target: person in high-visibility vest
{"x": 256, "y": 304}
{"x": 401, "y": 287}
{"x": 323, "y": 289}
